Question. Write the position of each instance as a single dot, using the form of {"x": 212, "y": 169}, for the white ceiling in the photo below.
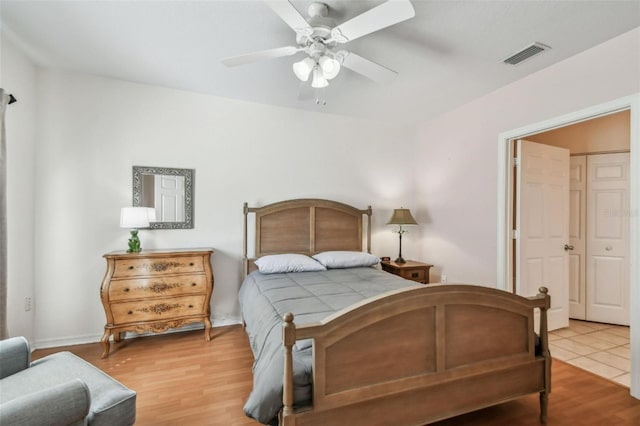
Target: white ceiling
{"x": 449, "y": 54}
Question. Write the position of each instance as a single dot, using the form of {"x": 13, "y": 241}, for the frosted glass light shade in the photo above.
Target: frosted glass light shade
{"x": 330, "y": 67}
{"x": 319, "y": 81}
{"x": 302, "y": 69}
{"x": 134, "y": 217}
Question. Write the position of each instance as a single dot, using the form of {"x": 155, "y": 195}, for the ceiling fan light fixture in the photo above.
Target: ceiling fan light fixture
{"x": 330, "y": 67}
{"x": 319, "y": 81}
{"x": 303, "y": 68}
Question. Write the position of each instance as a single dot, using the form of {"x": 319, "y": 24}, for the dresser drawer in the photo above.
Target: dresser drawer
{"x": 158, "y": 309}
{"x": 158, "y": 266}
{"x": 152, "y": 287}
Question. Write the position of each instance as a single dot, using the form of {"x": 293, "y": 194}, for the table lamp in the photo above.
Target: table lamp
{"x": 134, "y": 218}
{"x": 401, "y": 217}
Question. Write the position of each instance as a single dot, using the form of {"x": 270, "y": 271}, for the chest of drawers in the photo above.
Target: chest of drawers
{"x": 155, "y": 290}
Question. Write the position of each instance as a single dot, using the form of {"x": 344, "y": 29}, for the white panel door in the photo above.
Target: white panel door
{"x": 608, "y": 238}
{"x": 542, "y": 222}
{"x": 169, "y": 198}
{"x": 577, "y": 236}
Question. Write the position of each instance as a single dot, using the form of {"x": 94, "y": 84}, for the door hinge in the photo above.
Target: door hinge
{"x": 516, "y": 162}
{"x": 515, "y": 234}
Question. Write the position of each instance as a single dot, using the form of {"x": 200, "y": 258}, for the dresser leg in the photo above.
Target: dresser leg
{"x": 207, "y": 329}
{"x": 105, "y": 343}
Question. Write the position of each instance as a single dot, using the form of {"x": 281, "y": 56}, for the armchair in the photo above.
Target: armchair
{"x": 59, "y": 389}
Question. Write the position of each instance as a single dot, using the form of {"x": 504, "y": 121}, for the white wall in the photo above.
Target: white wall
{"x": 457, "y": 182}
{"x": 92, "y": 130}
{"x": 18, "y": 76}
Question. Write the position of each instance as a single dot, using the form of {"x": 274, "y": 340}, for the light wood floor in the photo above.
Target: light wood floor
{"x": 183, "y": 380}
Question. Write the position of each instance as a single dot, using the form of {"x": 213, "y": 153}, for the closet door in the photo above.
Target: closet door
{"x": 577, "y": 236}
{"x": 608, "y": 238}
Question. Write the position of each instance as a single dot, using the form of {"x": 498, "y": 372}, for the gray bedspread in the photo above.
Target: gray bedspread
{"x": 310, "y": 296}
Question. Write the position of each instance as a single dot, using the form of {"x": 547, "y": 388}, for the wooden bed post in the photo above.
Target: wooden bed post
{"x": 369, "y": 212}
{"x": 245, "y": 265}
{"x": 544, "y": 345}
{"x": 288, "y": 339}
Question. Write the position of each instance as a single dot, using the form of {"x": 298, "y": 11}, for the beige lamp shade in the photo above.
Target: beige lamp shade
{"x": 402, "y": 217}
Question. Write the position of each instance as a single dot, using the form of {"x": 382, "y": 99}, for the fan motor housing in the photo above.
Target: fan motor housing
{"x": 319, "y": 34}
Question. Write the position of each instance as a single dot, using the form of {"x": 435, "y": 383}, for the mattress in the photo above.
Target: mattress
{"x": 310, "y": 296}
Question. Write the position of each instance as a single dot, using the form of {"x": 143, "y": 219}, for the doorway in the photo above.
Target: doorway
{"x": 598, "y": 237}
{"x": 505, "y": 203}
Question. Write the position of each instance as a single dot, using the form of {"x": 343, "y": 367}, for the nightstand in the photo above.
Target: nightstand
{"x": 411, "y": 270}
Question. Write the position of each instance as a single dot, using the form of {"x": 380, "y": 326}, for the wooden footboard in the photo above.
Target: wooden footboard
{"x": 441, "y": 350}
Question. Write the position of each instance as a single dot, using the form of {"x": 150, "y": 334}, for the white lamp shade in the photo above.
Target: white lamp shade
{"x": 330, "y": 67}
{"x": 302, "y": 69}
{"x": 151, "y": 212}
{"x": 319, "y": 81}
{"x": 134, "y": 217}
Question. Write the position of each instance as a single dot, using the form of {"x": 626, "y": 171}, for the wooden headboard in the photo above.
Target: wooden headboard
{"x": 305, "y": 226}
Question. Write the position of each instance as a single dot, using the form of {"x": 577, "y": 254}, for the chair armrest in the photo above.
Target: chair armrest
{"x": 14, "y": 356}
{"x": 64, "y": 404}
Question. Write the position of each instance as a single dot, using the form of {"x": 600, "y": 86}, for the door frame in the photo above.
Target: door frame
{"x": 505, "y": 205}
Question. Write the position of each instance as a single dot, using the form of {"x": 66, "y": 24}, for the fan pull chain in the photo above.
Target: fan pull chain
{"x": 321, "y": 98}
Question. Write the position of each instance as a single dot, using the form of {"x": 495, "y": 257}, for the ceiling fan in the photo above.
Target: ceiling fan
{"x": 320, "y": 39}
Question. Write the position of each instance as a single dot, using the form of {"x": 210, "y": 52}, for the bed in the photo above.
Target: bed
{"x": 360, "y": 346}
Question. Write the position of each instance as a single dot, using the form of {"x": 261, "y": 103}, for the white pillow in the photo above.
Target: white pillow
{"x": 290, "y": 262}
{"x": 345, "y": 259}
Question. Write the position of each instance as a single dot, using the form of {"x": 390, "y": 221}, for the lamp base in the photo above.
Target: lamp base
{"x": 400, "y": 260}
{"x": 134, "y": 242}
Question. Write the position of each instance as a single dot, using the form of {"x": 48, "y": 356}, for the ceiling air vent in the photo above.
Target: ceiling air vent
{"x": 526, "y": 53}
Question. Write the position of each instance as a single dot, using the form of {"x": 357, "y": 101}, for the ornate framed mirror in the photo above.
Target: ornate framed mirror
{"x": 169, "y": 191}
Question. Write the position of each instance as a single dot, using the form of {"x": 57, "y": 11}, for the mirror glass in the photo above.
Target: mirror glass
{"x": 169, "y": 191}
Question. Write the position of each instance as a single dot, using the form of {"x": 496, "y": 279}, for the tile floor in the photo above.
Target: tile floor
{"x": 602, "y": 349}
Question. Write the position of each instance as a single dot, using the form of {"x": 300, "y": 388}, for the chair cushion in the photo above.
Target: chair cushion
{"x": 111, "y": 402}
{"x": 65, "y": 404}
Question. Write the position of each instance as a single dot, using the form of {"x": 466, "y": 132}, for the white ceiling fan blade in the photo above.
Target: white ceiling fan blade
{"x": 260, "y": 56}
{"x": 369, "y": 69}
{"x": 290, "y": 16}
{"x": 382, "y": 16}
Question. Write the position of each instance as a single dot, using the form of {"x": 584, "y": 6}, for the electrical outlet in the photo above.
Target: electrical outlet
{"x": 27, "y": 304}
{"x": 443, "y": 279}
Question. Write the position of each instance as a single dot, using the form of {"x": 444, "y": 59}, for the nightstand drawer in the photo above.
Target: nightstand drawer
{"x": 157, "y": 309}
{"x": 157, "y": 287}
{"x": 409, "y": 270}
{"x": 415, "y": 275}
{"x": 158, "y": 266}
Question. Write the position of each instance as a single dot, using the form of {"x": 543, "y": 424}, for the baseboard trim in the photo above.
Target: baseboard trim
{"x": 93, "y": 338}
